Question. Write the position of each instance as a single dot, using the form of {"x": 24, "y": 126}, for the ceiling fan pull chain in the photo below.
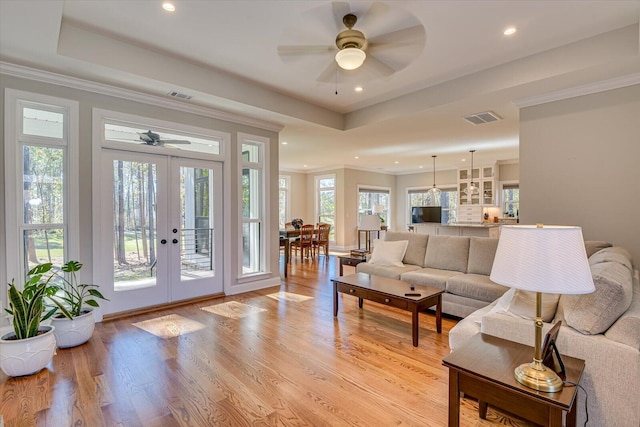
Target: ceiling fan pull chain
{"x": 336, "y": 81}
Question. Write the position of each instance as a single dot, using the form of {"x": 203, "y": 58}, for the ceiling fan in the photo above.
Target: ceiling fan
{"x": 152, "y": 138}
{"x": 354, "y": 53}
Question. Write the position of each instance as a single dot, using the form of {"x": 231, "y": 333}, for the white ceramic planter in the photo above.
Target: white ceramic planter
{"x": 73, "y": 332}
{"x": 27, "y": 356}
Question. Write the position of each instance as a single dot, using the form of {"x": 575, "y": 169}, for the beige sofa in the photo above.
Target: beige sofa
{"x": 602, "y": 328}
{"x": 459, "y": 265}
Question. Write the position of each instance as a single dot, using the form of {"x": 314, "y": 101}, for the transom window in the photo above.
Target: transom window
{"x": 131, "y": 134}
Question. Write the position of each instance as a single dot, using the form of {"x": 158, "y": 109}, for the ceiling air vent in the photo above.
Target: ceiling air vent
{"x": 179, "y": 95}
{"x": 480, "y": 118}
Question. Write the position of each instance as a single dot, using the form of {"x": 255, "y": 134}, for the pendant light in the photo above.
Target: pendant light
{"x": 472, "y": 188}
{"x": 434, "y": 192}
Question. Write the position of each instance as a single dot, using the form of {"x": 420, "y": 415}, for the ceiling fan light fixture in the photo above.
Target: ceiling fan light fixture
{"x": 350, "y": 58}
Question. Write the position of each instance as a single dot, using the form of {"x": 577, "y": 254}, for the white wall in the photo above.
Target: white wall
{"x": 580, "y": 165}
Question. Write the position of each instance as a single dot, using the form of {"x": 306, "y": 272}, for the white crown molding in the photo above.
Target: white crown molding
{"x": 109, "y": 90}
{"x": 588, "y": 89}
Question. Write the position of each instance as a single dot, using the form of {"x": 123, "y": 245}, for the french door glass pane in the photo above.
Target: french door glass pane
{"x": 196, "y": 216}
{"x": 134, "y": 224}
{"x": 43, "y": 245}
{"x": 43, "y": 185}
{"x": 42, "y": 123}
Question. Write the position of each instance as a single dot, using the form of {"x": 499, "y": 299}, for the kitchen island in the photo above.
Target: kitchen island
{"x": 457, "y": 229}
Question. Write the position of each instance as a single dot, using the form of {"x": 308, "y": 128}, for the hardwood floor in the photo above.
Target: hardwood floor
{"x": 276, "y": 357}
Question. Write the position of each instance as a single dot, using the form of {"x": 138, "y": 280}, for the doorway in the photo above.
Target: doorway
{"x": 164, "y": 231}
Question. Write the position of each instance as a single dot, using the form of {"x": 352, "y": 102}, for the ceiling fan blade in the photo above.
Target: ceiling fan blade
{"x": 409, "y": 35}
{"x": 288, "y": 50}
{"x": 377, "y": 11}
{"x": 378, "y": 67}
{"x": 340, "y": 9}
{"x": 328, "y": 75}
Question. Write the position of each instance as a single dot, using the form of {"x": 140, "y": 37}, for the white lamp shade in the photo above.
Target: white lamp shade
{"x": 350, "y": 58}
{"x": 369, "y": 222}
{"x": 378, "y": 209}
{"x": 549, "y": 259}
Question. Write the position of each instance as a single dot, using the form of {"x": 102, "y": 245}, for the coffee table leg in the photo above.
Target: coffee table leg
{"x": 414, "y": 324}
{"x": 482, "y": 409}
{"x": 439, "y": 314}
{"x": 360, "y": 302}
{"x": 454, "y": 399}
{"x": 335, "y": 299}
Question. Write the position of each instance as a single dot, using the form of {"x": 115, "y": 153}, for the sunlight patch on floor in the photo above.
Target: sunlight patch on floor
{"x": 233, "y": 309}
{"x": 289, "y": 296}
{"x": 169, "y": 326}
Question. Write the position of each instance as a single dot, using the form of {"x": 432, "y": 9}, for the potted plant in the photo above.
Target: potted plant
{"x": 31, "y": 346}
{"x": 75, "y": 323}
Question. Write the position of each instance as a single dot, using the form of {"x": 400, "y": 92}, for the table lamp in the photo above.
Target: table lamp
{"x": 541, "y": 259}
{"x": 369, "y": 223}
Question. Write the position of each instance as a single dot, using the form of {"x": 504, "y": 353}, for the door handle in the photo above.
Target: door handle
{"x": 175, "y": 241}
{"x": 163, "y": 241}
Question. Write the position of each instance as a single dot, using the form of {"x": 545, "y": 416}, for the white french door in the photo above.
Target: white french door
{"x": 164, "y": 230}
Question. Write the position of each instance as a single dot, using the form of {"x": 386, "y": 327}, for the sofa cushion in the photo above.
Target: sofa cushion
{"x": 593, "y": 246}
{"x": 482, "y": 251}
{"x": 476, "y": 286}
{"x": 429, "y": 277}
{"x": 389, "y": 271}
{"x": 447, "y": 253}
{"x": 416, "y": 247}
{"x": 594, "y": 313}
{"x": 522, "y": 304}
{"x": 388, "y": 253}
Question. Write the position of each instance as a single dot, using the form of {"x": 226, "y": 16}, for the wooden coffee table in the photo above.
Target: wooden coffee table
{"x": 390, "y": 292}
{"x": 483, "y": 368}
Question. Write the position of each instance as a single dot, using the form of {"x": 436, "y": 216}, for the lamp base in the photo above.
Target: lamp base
{"x": 538, "y": 377}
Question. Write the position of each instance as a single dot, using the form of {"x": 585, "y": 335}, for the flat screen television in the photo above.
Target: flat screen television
{"x": 426, "y": 214}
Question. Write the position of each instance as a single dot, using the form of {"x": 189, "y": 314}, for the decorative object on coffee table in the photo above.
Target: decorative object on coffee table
{"x": 549, "y": 259}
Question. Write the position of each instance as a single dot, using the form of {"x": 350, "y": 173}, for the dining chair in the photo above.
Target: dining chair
{"x": 322, "y": 240}
{"x": 305, "y": 241}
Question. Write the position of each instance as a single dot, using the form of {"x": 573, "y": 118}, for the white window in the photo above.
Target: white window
{"x": 326, "y": 202}
{"x": 253, "y": 206}
{"x": 448, "y": 201}
{"x": 283, "y": 199}
{"x": 41, "y": 181}
{"x": 374, "y": 201}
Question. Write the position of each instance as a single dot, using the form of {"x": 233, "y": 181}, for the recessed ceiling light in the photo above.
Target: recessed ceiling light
{"x": 396, "y": 162}
{"x": 168, "y": 6}
{"x": 356, "y": 157}
{"x": 509, "y": 31}
{"x": 304, "y": 166}
{"x": 284, "y": 142}
{"x": 421, "y": 166}
{"x": 464, "y": 160}
{"x": 359, "y": 89}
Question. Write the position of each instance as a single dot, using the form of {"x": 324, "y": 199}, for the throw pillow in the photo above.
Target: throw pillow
{"x": 522, "y": 304}
{"x": 482, "y": 251}
{"x": 594, "y": 313}
{"x": 388, "y": 253}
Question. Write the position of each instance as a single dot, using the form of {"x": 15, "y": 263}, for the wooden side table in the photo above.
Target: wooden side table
{"x": 347, "y": 260}
{"x": 483, "y": 368}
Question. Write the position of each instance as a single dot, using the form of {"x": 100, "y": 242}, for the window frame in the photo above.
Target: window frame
{"x": 379, "y": 190}
{"x": 263, "y": 203}
{"x": 449, "y": 188}
{"x": 503, "y": 199}
{"x": 15, "y": 140}
{"x": 287, "y": 198}
{"x": 317, "y": 179}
